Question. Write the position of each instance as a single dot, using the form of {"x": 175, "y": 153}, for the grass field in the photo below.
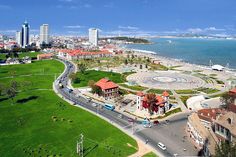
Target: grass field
{"x": 39, "y": 123}
{"x": 207, "y": 90}
{"x": 135, "y": 87}
{"x": 159, "y": 91}
{"x": 21, "y": 55}
{"x": 186, "y": 91}
{"x": 151, "y": 154}
{"x": 97, "y": 75}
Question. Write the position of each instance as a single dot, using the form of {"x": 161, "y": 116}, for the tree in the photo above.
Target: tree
{"x": 225, "y": 148}
{"x": 14, "y": 85}
{"x": 73, "y": 76}
{"x": 15, "y": 55}
{"x": 132, "y": 56}
{"x": 11, "y": 93}
{"x": 151, "y": 100}
{"x": 141, "y": 66}
{"x": 82, "y": 67}
{"x": 126, "y": 61}
{"x": 91, "y": 83}
{"x": 95, "y": 89}
{"x": 227, "y": 99}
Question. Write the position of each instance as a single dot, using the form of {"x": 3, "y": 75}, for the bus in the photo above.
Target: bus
{"x": 109, "y": 107}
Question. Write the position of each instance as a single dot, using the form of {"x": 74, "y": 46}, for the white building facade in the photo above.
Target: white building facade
{"x": 19, "y": 38}
{"x": 44, "y": 34}
{"x": 93, "y": 36}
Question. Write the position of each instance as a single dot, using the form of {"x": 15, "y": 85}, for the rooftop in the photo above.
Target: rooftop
{"x": 228, "y": 121}
{"x": 106, "y": 84}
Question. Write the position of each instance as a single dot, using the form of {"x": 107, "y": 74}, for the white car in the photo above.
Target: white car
{"x": 147, "y": 125}
{"x": 161, "y": 145}
{"x": 94, "y": 104}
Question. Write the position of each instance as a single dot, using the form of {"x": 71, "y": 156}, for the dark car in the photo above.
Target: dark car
{"x": 156, "y": 122}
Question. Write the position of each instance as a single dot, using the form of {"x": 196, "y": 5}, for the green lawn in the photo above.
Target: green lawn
{"x": 184, "y": 99}
{"x": 151, "y": 154}
{"x": 39, "y": 123}
{"x": 186, "y": 91}
{"x": 207, "y": 90}
{"x": 159, "y": 91}
{"x": 21, "y": 55}
{"x": 135, "y": 87}
{"x": 97, "y": 75}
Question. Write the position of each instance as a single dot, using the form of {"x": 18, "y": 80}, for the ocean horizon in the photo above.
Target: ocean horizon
{"x": 193, "y": 50}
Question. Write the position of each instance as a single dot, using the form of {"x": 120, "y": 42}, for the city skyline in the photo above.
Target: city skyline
{"x": 144, "y": 17}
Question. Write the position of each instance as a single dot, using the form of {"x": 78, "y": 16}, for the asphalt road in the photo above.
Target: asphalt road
{"x": 171, "y": 134}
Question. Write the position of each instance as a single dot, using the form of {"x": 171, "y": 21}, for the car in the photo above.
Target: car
{"x": 161, "y": 145}
{"x": 120, "y": 116}
{"x": 94, "y": 104}
{"x": 130, "y": 120}
{"x": 147, "y": 126}
{"x": 156, "y": 122}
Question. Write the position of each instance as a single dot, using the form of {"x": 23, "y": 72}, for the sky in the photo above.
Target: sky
{"x": 124, "y": 17}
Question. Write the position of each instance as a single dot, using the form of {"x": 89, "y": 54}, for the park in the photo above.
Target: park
{"x": 36, "y": 122}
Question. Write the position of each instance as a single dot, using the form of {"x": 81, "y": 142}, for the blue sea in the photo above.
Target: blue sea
{"x": 194, "y": 50}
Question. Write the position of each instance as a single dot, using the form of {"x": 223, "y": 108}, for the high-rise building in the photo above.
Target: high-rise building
{"x": 25, "y": 34}
{"x": 19, "y": 38}
{"x": 44, "y": 34}
{"x": 93, "y": 36}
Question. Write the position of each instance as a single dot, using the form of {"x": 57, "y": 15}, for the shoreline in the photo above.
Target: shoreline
{"x": 154, "y": 54}
{"x": 167, "y": 61}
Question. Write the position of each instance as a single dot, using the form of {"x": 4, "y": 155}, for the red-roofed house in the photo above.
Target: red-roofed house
{"x": 79, "y": 54}
{"x": 233, "y": 91}
{"x": 207, "y": 116}
{"x": 109, "y": 88}
{"x": 161, "y": 106}
{"x": 44, "y": 56}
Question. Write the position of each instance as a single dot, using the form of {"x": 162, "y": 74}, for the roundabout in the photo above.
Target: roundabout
{"x": 166, "y": 80}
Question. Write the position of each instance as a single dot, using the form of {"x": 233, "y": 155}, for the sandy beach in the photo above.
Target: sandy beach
{"x": 184, "y": 66}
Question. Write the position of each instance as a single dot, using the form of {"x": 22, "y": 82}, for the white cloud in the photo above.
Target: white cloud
{"x": 194, "y": 30}
{"x": 128, "y": 27}
{"x": 204, "y": 30}
{"x": 214, "y": 29}
{"x": 73, "y": 26}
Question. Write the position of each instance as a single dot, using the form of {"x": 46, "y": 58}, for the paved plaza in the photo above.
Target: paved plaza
{"x": 166, "y": 80}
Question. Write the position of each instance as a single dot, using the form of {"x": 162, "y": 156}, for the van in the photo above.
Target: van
{"x": 161, "y": 145}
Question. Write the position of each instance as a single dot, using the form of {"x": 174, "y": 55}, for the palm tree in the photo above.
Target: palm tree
{"x": 151, "y": 100}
